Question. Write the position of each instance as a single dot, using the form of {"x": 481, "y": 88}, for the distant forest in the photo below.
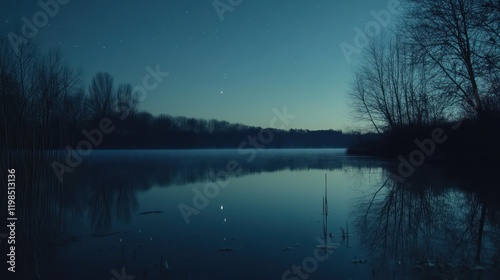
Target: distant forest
{"x": 45, "y": 104}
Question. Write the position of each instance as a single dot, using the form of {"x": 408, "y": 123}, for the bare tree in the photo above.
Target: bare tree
{"x": 55, "y": 81}
{"x": 460, "y": 38}
{"x": 489, "y": 24}
{"x": 393, "y": 89}
{"x": 17, "y": 75}
{"x": 17, "y": 88}
{"x": 127, "y": 101}
{"x": 102, "y": 95}
{"x": 7, "y": 87}
{"x": 76, "y": 108}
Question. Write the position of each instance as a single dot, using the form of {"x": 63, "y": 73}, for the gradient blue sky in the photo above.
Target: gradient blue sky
{"x": 265, "y": 54}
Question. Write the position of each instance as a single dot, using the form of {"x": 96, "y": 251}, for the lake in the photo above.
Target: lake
{"x": 257, "y": 214}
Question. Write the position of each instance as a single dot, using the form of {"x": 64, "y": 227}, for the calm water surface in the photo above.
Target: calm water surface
{"x": 119, "y": 215}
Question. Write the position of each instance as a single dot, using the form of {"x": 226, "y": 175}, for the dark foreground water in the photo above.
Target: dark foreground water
{"x": 221, "y": 214}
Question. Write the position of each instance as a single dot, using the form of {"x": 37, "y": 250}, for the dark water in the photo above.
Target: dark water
{"x": 256, "y": 216}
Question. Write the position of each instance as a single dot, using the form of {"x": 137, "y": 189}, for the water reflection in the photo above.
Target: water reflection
{"x": 431, "y": 225}
{"x": 113, "y": 178}
{"x": 430, "y": 229}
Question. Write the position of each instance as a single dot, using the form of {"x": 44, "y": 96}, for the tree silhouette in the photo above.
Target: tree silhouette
{"x": 126, "y": 101}
{"x": 459, "y": 38}
{"x": 392, "y": 89}
{"x": 102, "y": 95}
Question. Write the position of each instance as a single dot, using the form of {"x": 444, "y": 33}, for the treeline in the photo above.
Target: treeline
{"x": 144, "y": 131}
{"x": 45, "y": 104}
{"x": 439, "y": 69}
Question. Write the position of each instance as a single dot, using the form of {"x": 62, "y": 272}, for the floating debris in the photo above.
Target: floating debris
{"x": 356, "y": 260}
{"x": 329, "y": 247}
{"x": 165, "y": 265}
{"x": 297, "y": 244}
{"x": 286, "y": 249}
{"x": 150, "y": 212}
{"x": 429, "y": 264}
{"x": 478, "y": 268}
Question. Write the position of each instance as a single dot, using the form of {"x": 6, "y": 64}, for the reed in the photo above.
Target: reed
{"x": 325, "y": 210}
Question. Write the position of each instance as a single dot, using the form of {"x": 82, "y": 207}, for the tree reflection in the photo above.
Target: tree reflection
{"x": 103, "y": 191}
{"x": 420, "y": 227}
{"x": 113, "y": 196}
{"x": 412, "y": 227}
{"x": 45, "y": 210}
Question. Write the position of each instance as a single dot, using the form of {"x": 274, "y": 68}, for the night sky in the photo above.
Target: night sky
{"x": 263, "y": 54}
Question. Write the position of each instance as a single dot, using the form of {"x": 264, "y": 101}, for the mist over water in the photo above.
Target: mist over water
{"x": 120, "y": 209}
